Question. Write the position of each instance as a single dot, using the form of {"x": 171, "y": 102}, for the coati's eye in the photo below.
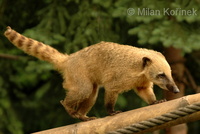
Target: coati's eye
{"x": 161, "y": 76}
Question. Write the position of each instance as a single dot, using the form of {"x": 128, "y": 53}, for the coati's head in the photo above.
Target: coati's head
{"x": 158, "y": 71}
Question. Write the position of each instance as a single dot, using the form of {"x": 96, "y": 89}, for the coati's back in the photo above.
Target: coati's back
{"x": 109, "y": 54}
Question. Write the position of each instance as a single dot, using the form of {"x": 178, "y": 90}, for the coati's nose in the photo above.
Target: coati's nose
{"x": 173, "y": 88}
{"x": 176, "y": 90}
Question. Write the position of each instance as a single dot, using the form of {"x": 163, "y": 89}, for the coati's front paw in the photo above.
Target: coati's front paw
{"x": 158, "y": 101}
{"x": 114, "y": 113}
{"x": 86, "y": 118}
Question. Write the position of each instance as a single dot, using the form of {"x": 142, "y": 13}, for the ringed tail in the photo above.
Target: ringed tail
{"x": 35, "y": 48}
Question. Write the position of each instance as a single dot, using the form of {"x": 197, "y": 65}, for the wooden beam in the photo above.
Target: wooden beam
{"x": 112, "y": 123}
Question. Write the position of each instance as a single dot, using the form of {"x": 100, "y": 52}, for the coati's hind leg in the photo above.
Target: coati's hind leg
{"x": 71, "y": 105}
{"x": 87, "y": 104}
{"x": 77, "y": 101}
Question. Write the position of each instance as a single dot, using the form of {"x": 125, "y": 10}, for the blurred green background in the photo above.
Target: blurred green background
{"x": 30, "y": 90}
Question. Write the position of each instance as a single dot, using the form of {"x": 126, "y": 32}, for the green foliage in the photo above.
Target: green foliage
{"x": 173, "y": 25}
{"x": 73, "y": 25}
{"x": 30, "y": 90}
{"x": 8, "y": 114}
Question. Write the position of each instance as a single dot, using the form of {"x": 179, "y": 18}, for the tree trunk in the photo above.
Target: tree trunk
{"x": 176, "y": 61}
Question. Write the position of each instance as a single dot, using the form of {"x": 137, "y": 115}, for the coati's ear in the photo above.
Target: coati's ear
{"x": 146, "y": 61}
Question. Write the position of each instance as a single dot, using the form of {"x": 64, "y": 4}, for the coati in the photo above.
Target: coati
{"x": 117, "y": 67}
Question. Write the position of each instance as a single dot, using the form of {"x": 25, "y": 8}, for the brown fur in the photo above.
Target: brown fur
{"x": 117, "y": 67}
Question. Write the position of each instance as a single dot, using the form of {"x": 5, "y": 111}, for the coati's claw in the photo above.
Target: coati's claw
{"x": 87, "y": 118}
{"x": 159, "y": 101}
{"x": 114, "y": 113}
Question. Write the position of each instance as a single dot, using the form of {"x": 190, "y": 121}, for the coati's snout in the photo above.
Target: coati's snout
{"x": 168, "y": 85}
{"x": 173, "y": 88}
{"x": 166, "y": 82}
